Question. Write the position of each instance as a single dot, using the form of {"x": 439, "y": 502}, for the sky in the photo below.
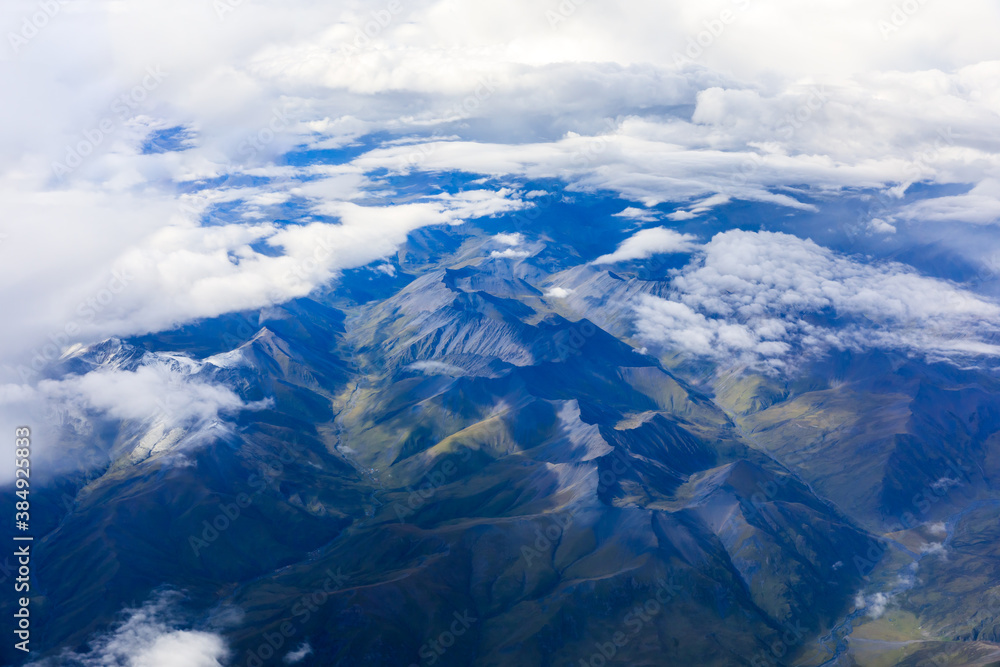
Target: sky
{"x": 147, "y": 149}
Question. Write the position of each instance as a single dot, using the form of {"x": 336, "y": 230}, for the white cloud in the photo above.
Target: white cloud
{"x": 246, "y": 85}
{"x": 299, "y": 654}
{"x": 514, "y": 239}
{"x": 184, "y": 271}
{"x": 171, "y": 402}
{"x": 510, "y": 253}
{"x": 938, "y": 528}
{"x": 875, "y": 604}
{"x": 934, "y": 549}
{"x": 755, "y": 143}
{"x": 641, "y": 215}
{"x": 435, "y": 368}
{"x": 159, "y": 391}
{"x": 182, "y": 649}
{"x": 150, "y": 636}
{"x": 634, "y": 163}
{"x": 880, "y": 226}
{"x": 981, "y": 206}
{"x": 649, "y": 242}
{"x": 705, "y": 205}
{"x": 757, "y": 296}
{"x": 558, "y": 292}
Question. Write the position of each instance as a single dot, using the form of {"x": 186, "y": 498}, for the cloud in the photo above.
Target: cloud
{"x": 760, "y": 296}
{"x": 168, "y": 392}
{"x": 980, "y": 206}
{"x": 185, "y": 271}
{"x": 170, "y": 401}
{"x": 633, "y": 213}
{"x": 934, "y": 549}
{"x": 435, "y": 368}
{"x": 150, "y": 636}
{"x": 634, "y": 163}
{"x": 649, "y": 242}
{"x": 206, "y": 271}
{"x": 880, "y": 226}
{"x": 514, "y": 97}
{"x": 558, "y": 292}
{"x": 938, "y": 528}
{"x": 703, "y": 206}
{"x": 875, "y": 604}
{"x": 515, "y": 239}
{"x": 299, "y": 654}
{"x": 510, "y": 253}
{"x": 773, "y": 144}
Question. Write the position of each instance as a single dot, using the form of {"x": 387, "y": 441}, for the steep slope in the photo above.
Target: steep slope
{"x": 454, "y": 452}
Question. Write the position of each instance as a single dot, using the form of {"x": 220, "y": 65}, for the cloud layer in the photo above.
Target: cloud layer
{"x": 760, "y": 297}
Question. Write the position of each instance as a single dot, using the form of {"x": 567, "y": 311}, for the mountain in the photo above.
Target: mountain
{"x": 451, "y": 464}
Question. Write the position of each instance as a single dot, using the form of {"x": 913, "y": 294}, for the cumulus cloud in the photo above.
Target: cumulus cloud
{"x": 632, "y": 162}
{"x": 512, "y": 239}
{"x": 558, "y": 292}
{"x": 150, "y": 636}
{"x": 759, "y": 296}
{"x": 649, "y": 242}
